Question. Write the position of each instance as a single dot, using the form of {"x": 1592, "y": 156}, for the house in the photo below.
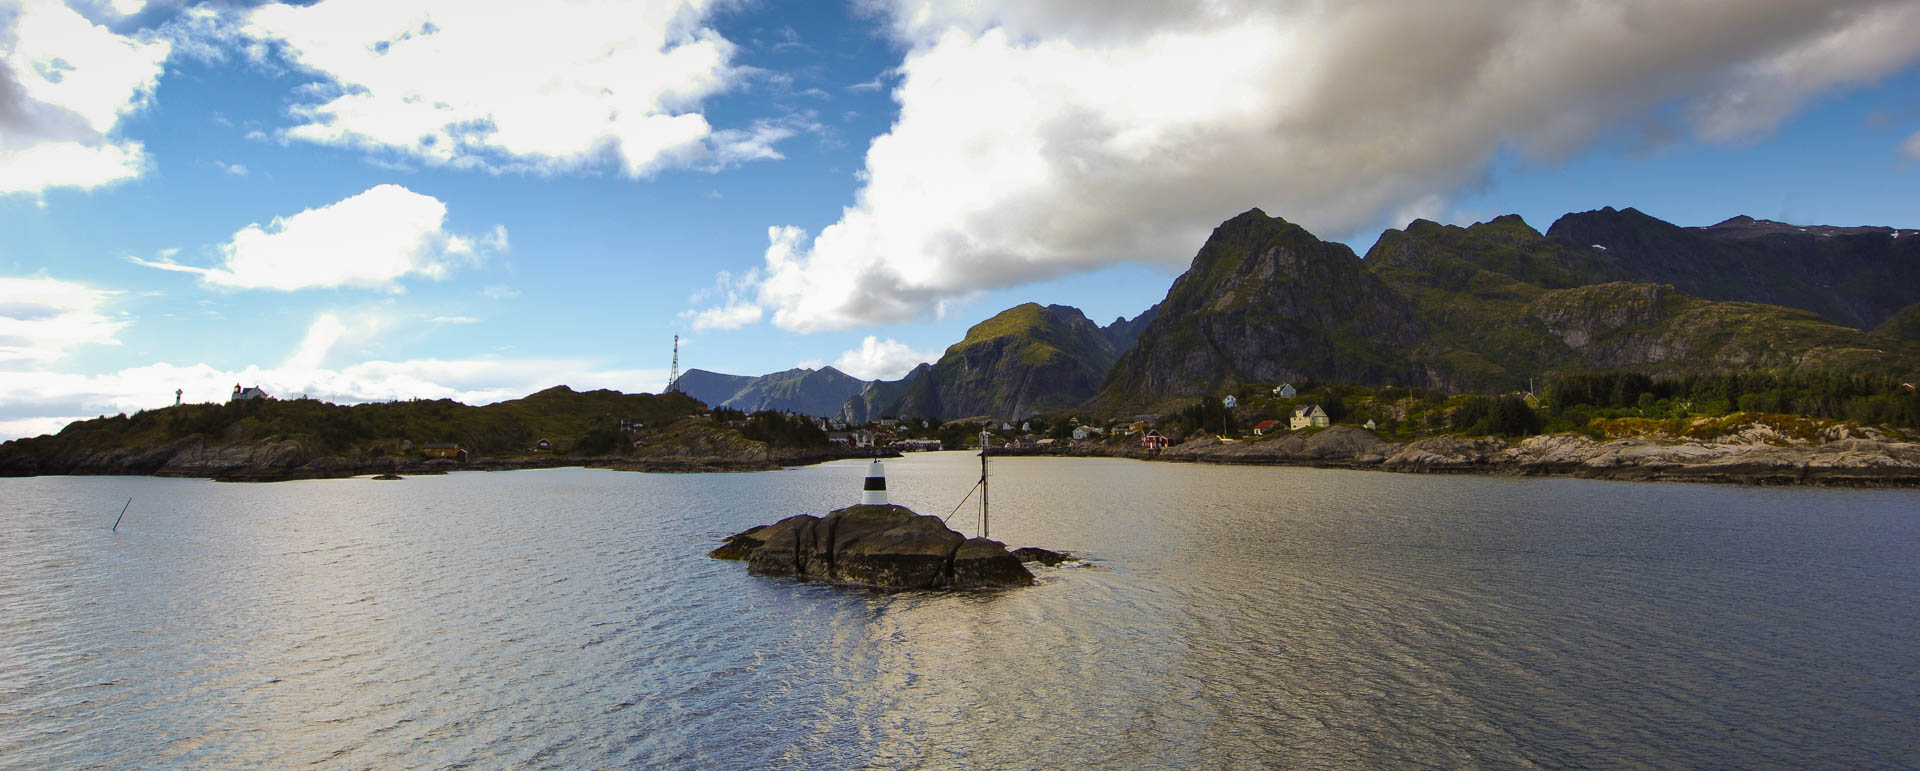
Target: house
{"x": 1310, "y": 416}
{"x": 862, "y": 438}
{"x": 244, "y": 394}
{"x": 1285, "y": 391}
{"x": 917, "y": 445}
{"x": 629, "y": 425}
{"x": 1264, "y": 426}
{"x": 544, "y": 444}
{"x": 1082, "y": 432}
{"x": 1370, "y": 424}
{"x": 1152, "y": 441}
{"x": 1230, "y": 402}
{"x": 1006, "y": 426}
{"x": 889, "y": 422}
{"x": 841, "y": 438}
{"x": 446, "y": 450}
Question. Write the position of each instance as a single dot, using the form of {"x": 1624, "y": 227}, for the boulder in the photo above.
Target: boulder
{"x": 1042, "y": 556}
{"x": 986, "y": 562}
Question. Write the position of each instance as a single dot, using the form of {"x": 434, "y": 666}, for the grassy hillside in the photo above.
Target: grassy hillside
{"x": 559, "y": 414}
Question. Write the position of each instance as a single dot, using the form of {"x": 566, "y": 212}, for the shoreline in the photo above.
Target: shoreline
{"x": 286, "y": 462}
{"x": 1759, "y": 462}
{"x": 1841, "y": 463}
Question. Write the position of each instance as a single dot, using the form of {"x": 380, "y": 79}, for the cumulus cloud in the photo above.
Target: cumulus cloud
{"x": 65, "y": 85}
{"x": 546, "y": 87}
{"x": 878, "y": 359}
{"x": 42, "y": 319}
{"x": 370, "y": 240}
{"x": 1045, "y": 137}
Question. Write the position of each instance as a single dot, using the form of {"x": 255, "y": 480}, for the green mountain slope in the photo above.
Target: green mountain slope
{"x": 1025, "y": 360}
{"x": 1265, "y": 300}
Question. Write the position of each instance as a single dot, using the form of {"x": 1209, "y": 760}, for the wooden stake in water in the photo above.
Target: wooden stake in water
{"x": 123, "y": 515}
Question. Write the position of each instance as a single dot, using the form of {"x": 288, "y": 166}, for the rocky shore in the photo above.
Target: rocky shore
{"x": 1756, "y": 456}
{"x": 276, "y": 461}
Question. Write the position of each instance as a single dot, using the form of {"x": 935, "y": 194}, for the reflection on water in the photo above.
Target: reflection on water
{"x": 1232, "y": 617}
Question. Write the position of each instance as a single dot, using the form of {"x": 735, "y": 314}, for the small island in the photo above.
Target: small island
{"x": 880, "y": 545}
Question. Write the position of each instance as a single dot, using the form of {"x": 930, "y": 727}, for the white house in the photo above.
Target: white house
{"x": 1230, "y": 402}
{"x": 244, "y": 394}
{"x": 1285, "y": 391}
{"x": 1310, "y": 416}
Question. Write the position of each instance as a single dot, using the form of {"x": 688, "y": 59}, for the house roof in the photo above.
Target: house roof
{"x": 1266, "y": 424}
{"x": 1309, "y": 411}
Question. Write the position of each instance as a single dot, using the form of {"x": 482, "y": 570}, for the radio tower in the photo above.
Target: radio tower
{"x": 673, "y": 378}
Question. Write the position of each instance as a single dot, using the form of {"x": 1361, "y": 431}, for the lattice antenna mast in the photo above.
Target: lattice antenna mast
{"x": 673, "y": 377}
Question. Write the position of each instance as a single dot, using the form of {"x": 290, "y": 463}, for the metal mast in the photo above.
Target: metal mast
{"x": 986, "y": 440}
{"x": 673, "y": 377}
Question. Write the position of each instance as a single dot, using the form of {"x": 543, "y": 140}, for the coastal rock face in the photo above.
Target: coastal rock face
{"x": 1264, "y": 300}
{"x": 888, "y": 547}
{"x": 1446, "y": 453}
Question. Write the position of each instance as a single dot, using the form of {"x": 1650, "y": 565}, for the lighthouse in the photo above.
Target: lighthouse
{"x": 876, "y": 488}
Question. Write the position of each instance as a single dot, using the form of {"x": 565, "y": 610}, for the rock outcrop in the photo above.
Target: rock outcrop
{"x": 885, "y": 546}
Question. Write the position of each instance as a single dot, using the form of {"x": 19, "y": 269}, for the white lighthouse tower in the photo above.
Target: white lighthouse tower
{"x": 876, "y": 488}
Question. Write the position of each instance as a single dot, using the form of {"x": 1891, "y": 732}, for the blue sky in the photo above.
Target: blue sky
{"x": 380, "y": 200}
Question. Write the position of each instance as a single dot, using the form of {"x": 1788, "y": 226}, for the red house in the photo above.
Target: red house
{"x": 1265, "y": 426}
{"x": 1153, "y": 441}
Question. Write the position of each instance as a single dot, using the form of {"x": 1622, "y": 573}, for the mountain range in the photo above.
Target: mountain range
{"x": 1482, "y": 307}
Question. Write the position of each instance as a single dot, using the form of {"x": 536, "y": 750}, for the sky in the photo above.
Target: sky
{"x": 369, "y": 200}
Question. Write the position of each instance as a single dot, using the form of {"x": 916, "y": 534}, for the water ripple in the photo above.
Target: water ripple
{"x": 1227, "y": 618}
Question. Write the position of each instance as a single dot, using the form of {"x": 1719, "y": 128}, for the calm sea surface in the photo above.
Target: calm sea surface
{"x": 1229, "y": 617}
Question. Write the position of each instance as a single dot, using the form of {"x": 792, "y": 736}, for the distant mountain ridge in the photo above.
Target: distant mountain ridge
{"x": 1853, "y": 276}
{"x": 1483, "y": 307}
{"x": 1489, "y": 306}
{"x": 820, "y": 392}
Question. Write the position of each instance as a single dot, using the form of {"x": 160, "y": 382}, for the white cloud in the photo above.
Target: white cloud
{"x": 35, "y": 402}
{"x": 878, "y": 359}
{"x": 499, "y": 292}
{"x": 1046, "y": 137}
{"x": 547, "y": 87}
{"x": 734, "y": 310}
{"x": 1911, "y": 147}
{"x": 234, "y": 169}
{"x": 42, "y": 319}
{"x": 39, "y": 400}
{"x": 65, "y": 85}
{"x": 370, "y": 240}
